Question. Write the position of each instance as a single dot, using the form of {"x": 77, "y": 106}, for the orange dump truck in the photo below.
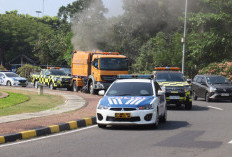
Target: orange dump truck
{"x": 94, "y": 71}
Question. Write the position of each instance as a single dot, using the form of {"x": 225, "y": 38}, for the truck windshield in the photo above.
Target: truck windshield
{"x": 57, "y": 72}
{"x": 113, "y": 64}
{"x": 169, "y": 77}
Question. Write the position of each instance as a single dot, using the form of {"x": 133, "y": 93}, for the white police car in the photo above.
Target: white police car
{"x": 132, "y": 100}
{"x": 12, "y": 79}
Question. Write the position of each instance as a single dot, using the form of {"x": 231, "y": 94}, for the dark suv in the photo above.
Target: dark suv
{"x": 211, "y": 87}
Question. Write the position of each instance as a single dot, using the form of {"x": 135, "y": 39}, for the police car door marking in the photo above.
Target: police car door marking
{"x": 115, "y": 101}
{"x": 139, "y": 101}
{"x": 110, "y": 101}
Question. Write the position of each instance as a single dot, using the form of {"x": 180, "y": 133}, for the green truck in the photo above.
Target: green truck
{"x": 53, "y": 78}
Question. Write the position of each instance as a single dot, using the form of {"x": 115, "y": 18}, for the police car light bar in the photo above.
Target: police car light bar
{"x": 167, "y": 68}
{"x": 133, "y": 76}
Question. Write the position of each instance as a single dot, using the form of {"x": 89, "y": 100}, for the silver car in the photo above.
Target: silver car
{"x": 12, "y": 79}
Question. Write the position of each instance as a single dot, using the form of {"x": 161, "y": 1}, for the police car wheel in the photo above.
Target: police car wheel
{"x": 157, "y": 118}
{"x": 36, "y": 84}
{"x": 91, "y": 89}
{"x": 75, "y": 89}
{"x": 51, "y": 86}
{"x": 8, "y": 83}
{"x": 101, "y": 125}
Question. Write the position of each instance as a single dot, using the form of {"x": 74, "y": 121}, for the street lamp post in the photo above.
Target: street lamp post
{"x": 38, "y": 12}
{"x": 184, "y": 38}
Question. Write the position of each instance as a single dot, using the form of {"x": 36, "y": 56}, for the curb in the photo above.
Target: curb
{"x": 48, "y": 130}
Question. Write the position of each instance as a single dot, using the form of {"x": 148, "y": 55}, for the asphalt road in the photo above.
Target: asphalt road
{"x": 205, "y": 131}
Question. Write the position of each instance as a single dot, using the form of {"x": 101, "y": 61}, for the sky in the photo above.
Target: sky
{"x": 50, "y": 7}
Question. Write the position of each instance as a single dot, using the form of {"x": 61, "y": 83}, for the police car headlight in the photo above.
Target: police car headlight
{"x": 187, "y": 88}
{"x": 146, "y": 107}
{"x": 102, "y": 107}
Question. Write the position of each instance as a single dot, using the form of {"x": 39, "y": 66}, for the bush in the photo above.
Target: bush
{"x": 224, "y": 69}
{"x": 27, "y": 69}
{"x": 2, "y": 68}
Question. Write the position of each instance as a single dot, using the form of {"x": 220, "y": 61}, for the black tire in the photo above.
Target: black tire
{"x": 194, "y": 96}
{"x": 101, "y": 125}
{"x": 36, "y": 84}
{"x": 156, "y": 124}
{"x": 163, "y": 118}
{"x": 51, "y": 86}
{"x": 188, "y": 105}
{"x": 69, "y": 88}
{"x": 178, "y": 105}
{"x": 207, "y": 99}
{"x": 75, "y": 89}
{"x": 91, "y": 89}
{"x": 8, "y": 83}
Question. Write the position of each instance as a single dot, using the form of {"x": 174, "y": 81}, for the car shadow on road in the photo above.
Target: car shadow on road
{"x": 194, "y": 108}
{"x": 169, "y": 125}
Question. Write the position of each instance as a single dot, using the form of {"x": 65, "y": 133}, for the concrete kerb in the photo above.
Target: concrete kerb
{"x": 67, "y": 106}
{"x": 48, "y": 130}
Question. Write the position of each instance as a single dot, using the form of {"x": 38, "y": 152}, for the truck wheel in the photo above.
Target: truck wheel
{"x": 51, "y": 86}
{"x": 8, "y": 83}
{"x": 69, "y": 88}
{"x": 75, "y": 89}
{"x": 36, "y": 84}
{"x": 91, "y": 89}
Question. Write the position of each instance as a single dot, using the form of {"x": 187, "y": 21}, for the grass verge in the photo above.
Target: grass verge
{"x": 12, "y": 99}
{"x": 35, "y": 103}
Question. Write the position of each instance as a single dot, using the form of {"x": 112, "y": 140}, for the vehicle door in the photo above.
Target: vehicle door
{"x": 2, "y": 78}
{"x": 47, "y": 77}
{"x": 161, "y": 97}
{"x": 95, "y": 67}
{"x": 198, "y": 87}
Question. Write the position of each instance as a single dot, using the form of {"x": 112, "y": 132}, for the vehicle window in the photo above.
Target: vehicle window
{"x": 1, "y": 75}
{"x": 217, "y": 80}
{"x": 130, "y": 89}
{"x": 95, "y": 63}
{"x": 199, "y": 80}
{"x": 169, "y": 77}
{"x": 47, "y": 72}
{"x": 57, "y": 72}
{"x": 203, "y": 80}
{"x": 195, "y": 79}
{"x": 11, "y": 75}
{"x": 113, "y": 64}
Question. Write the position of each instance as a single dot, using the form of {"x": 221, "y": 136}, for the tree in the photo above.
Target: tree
{"x": 18, "y": 34}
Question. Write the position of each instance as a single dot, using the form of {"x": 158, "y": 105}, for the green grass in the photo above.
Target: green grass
{"x": 12, "y": 99}
{"x": 33, "y": 103}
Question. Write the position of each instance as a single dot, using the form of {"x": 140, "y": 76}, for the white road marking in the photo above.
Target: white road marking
{"x": 230, "y": 142}
{"x": 48, "y": 136}
{"x": 215, "y": 108}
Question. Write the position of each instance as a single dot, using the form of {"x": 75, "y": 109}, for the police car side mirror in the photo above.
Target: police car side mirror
{"x": 160, "y": 92}
{"x": 101, "y": 92}
{"x": 189, "y": 81}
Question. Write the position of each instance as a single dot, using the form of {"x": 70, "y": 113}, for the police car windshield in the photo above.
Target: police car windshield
{"x": 11, "y": 75}
{"x": 130, "y": 89}
{"x": 217, "y": 80}
{"x": 113, "y": 64}
{"x": 169, "y": 77}
{"x": 57, "y": 72}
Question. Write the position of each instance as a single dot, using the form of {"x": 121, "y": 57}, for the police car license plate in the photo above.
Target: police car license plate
{"x": 225, "y": 94}
{"x": 122, "y": 115}
{"x": 174, "y": 97}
